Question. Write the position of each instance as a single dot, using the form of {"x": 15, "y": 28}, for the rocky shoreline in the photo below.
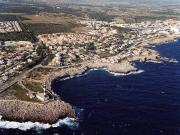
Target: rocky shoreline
{"x": 15, "y": 110}
{"x": 124, "y": 67}
{"x": 51, "y": 112}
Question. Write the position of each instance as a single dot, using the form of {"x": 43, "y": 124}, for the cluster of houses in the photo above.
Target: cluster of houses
{"x": 104, "y": 41}
{"x": 99, "y": 42}
{"x": 169, "y": 26}
{"x": 14, "y": 57}
{"x": 9, "y": 26}
{"x": 98, "y": 38}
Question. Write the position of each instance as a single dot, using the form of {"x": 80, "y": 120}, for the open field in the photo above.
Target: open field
{"x": 45, "y": 19}
{"x": 38, "y": 24}
{"x": 17, "y": 92}
{"x": 33, "y": 86}
{"x": 42, "y": 24}
{"x": 17, "y": 36}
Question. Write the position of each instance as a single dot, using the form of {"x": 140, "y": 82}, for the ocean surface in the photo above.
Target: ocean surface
{"x": 147, "y": 103}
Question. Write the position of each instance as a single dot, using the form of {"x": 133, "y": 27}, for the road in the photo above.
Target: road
{"x": 18, "y": 78}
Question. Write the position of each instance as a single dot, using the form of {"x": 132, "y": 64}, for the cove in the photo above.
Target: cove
{"x": 138, "y": 104}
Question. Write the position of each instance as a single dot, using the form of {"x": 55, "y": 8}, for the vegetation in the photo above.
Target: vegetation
{"x": 151, "y": 18}
{"x": 42, "y": 28}
{"x": 90, "y": 47}
{"x": 44, "y": 19}
{"x": 43, "y": 71}
{"x": 11, "y": 17}
{"x": 22, "y": 8}
{"x": 21, "y": 93}
{"x": 49, "y": 58}
{"x": 44, "y": 56}
{"x": 17, "y": 36}
{"x": 39, "y": 73}
{"x": 104, "y": 54}
{"x": 119, "y": 20}
{"x": 100, "y": 16}
{"x": 35, "y": 87}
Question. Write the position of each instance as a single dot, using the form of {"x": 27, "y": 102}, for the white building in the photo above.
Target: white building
{"x": 175, "y": 30}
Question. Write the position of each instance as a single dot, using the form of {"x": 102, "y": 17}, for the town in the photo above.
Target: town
{"x": 15, "y": 56}
{"x": 96, "y": 42}
{"x": 88, "y": 67}
{"x": 104, "y": 40}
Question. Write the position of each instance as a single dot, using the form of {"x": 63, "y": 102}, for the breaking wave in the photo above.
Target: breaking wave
{"x": 69, "y": 122}
{"x": 105, "y": 69}
{"x": 118, "y": 74}
{"x": 124, "y": 74}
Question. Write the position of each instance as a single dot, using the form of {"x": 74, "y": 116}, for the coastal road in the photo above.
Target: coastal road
{"x": 18, "y": 78}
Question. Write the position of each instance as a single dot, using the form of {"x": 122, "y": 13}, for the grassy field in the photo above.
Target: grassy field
{"x": 36, "y": 24}
{"x": 119, "y": 20}
{"x": 49, "y": 24}
{"x": 35, "y": 87}
{"x": 44, "y": 28}
{"x": 47, "y": 19}
{"x": 43, "y": 19}
{"x": 17, "y": 36}
{"x": 11, "y": 17}
{"x": 21, "y": 93}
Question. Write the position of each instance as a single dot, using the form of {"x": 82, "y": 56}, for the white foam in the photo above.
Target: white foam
{"x": 176, "y": 40}
{"x": 70, "y": 122}
{"x": 70, "y": 77}
{"x": 105, "y": 69}
{"x": 176, "y": 61}
{"x": 123, "y": 74}
{"x": 79, "y": 75}
{"x": 118, "y": 74}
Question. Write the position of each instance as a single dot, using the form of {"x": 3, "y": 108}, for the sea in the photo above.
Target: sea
{"x": 143, "y": 103}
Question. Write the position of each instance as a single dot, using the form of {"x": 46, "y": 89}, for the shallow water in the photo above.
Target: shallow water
{"x": 138, "y": 104}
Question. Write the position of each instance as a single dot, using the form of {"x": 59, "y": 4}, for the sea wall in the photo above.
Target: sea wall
{"x": 51, "y": 112}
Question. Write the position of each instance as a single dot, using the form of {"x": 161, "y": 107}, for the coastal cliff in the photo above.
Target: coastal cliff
{"x": 15, "y": 110}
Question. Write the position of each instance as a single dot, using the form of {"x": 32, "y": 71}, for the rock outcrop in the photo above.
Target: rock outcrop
{"x": 21, "y": 111}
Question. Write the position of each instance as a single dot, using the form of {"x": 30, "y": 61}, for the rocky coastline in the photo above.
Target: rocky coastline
{"x": 21, "y": 111}
{"x": 124, "y": 67}
{"x": 15, "y": 110}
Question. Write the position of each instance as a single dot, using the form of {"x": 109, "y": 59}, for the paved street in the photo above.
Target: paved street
{"x": 18, "y": 78}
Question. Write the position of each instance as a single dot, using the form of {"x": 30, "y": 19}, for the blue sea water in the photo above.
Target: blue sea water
{"x": 138, "y": 104}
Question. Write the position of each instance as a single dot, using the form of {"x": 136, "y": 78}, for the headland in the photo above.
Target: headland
{"x": 100, "y": 45}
